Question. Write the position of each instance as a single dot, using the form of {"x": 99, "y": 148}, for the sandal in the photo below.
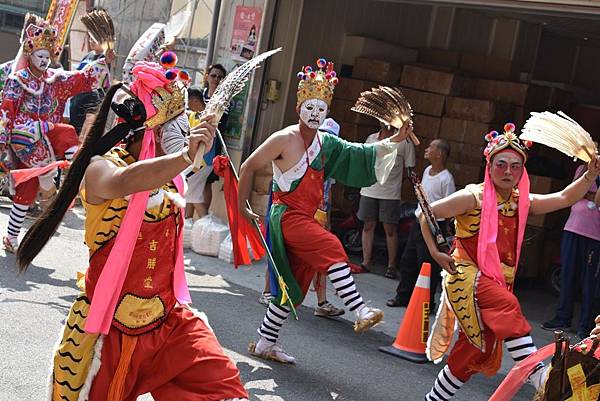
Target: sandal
{"x": 390, "y": 272}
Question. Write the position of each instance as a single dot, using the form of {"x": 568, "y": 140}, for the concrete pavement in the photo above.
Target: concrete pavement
{"x": 334, "y": 363}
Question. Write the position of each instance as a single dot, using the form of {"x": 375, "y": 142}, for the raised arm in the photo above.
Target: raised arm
{"x": 542, "y": 204}
{"x": 103, "y": 180}
{"x": 454, "y": 205}
{"x": 268, "y": 151}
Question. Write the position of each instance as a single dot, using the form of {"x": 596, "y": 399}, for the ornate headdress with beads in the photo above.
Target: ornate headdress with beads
{"x": 40, "y": 35}
{"x": 317, "y": 84}
{"x": 507, "y": 140}
{"x": 161, "y": 87}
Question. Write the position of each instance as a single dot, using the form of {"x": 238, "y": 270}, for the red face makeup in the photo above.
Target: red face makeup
{"x": 506, "y": 168}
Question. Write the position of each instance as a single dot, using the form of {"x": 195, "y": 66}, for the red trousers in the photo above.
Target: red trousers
{"x": 181, "y": 360}
{"x": 502, "y": 319}
{"x": 310, "y": 247}
{"x": 62, "y": 137}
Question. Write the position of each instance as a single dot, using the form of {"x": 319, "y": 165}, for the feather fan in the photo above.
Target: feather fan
{"x": 233, "y": 84}
{"x": 386, "y": 104}
{"x": 100, "y": 27}
{"x": 560, "y": 132}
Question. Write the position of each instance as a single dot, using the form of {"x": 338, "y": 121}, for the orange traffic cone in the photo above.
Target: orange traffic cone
{"x": 413, "y": 332}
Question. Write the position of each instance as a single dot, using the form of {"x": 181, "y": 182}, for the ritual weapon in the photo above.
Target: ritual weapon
{"x": 442, "y": 243}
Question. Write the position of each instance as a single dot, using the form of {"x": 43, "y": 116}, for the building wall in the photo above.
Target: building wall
{"x": 10, "y": 46}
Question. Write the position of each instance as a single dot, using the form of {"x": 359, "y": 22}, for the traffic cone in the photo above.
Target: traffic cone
{"x": 413, "y": 332}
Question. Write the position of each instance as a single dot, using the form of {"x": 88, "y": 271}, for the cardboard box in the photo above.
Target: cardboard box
{"x": 465, "y": 174}
{"x": 350, "y": 89}
{"x": 486, "y": 67}
{"x": 534, "y": 96}
{"x": 338, "y": 109}
{"x": 439, "y": 57}
{"x": 463, "y": 152}
{"x": 426, "y": 127}
{"x": 465, "y": 131}
{"x": 485, "y": 111}
{"x": 379, "y": 71}
{"x": 545, "y": 185}
{"x": 259, "y": 203}
{"x": 360, "y": 46}
{"x": 432, "y": 80}
{"x": 355, "y": 132}
{"x": 425, "y": 102}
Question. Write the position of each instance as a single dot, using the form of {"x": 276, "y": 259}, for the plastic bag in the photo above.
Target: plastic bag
{"x": 226, "y": 249}
{"x": 187, "y": 233}
{"x": 207, "y": 235}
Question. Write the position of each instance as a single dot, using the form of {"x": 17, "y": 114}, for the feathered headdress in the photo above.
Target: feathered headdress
{"x": 560, "y": 132}
{"x": 388, "y": 105}
{"x": 100, "y": 27}
{"x": 317, "y": 84}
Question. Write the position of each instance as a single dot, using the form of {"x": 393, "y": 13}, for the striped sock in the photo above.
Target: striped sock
{"x": 520, "y": 348}
{"x": 15, "y": 219}
{"x": 343, "y": 282}
{"x": 274, "y": 318}
{"x": 445, "y": 387}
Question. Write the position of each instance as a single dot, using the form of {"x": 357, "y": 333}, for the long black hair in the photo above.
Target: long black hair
{"x": 43, "y": 229}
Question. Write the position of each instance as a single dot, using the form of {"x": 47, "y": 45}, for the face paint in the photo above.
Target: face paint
{"x": 506, "y": 169}
{"x": 313, "y": 113}
{"x": 40, "y": 59}
{"x": 173, "y": 135}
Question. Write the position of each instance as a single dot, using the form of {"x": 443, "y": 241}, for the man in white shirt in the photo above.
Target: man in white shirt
{"x": 437, "y": 183}
{"x": 381, "y": 202}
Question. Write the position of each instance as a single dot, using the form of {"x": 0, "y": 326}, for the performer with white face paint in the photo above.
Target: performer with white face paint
{"x": 33, "y": 103}
{"x": 302, "y": 159}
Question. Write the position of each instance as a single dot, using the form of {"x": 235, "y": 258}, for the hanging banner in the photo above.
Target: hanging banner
{"x": 246, "y": 26}
{"x": 60, "y": 14}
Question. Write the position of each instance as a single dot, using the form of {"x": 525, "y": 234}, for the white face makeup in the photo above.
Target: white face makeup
{"x": 40, "y": 59}
{"x": 313, "y": 112}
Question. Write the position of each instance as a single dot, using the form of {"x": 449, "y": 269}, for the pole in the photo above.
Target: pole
{"x": 213, "y": 33}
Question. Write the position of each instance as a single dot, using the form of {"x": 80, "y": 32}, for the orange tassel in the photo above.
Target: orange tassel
{"x": 117, "y": 385}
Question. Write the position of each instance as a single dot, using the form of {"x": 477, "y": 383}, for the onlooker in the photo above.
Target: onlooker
{"x": 381, "y": 202}
{"x": 195, "y": 201}
{"x": 580, "y": 262}
{"x": 215, "y": 73}
{"x": 437, "y": 183}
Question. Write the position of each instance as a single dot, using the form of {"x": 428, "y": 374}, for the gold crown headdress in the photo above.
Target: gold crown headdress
{"x": 317, "y": 84}
{"x": 388, "y": 105}
{"x": 39, "y": 34}
{"x": 507, "y": 140}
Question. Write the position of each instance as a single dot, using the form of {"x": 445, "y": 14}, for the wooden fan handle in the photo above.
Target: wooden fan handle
{"x": 199, "y": 158}
{"x": 413, "y": 138}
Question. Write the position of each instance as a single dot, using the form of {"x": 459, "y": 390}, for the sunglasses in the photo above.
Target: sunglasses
{"x": 217, "y": 76}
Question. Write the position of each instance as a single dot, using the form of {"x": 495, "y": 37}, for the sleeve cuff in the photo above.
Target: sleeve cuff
{"x": 385, "y": 158}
